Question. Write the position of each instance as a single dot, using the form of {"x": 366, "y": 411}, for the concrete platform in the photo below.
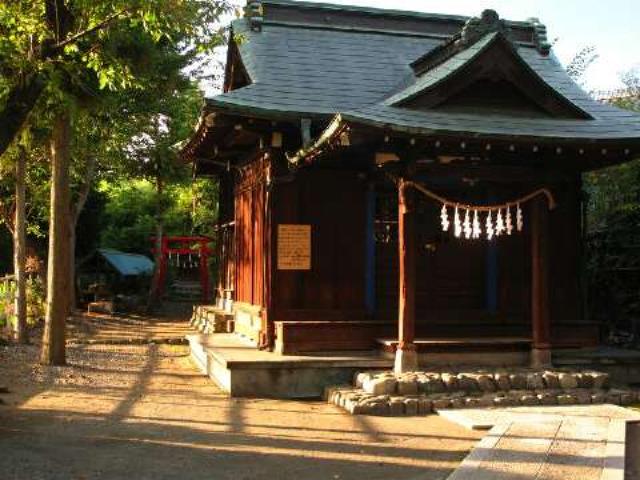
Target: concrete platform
{"x": 580, "y": 442}
{"x": 244, "y": 371}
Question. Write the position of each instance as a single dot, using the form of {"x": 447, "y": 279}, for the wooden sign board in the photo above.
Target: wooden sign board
{"x": 294, "y": 247}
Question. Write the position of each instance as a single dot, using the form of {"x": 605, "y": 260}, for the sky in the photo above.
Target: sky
{"x": 611, "y": 26}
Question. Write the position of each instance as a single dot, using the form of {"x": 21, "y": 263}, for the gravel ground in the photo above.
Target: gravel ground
{"x": 143, "y": 411}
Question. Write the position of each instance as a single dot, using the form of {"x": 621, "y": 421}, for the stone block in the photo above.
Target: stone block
{"x": 535, "y": 381}
{"x": 486, "y": 383}
{"x": 598, "y": 397}
{"x": 396, "y": 407}
{"x": 551, "y": 380}
{"x": 450, "y": 381}
{"x": 584, "y": 380}
{"x": 380, "y": 385}
{"x": 529, "y": 400}
{"x": 568, "y": 380}
{"x": 380, "y": 408}
{"x": 411, "y": 407}
{"x": 583, "y": 396}
{"x": 503, "y": 402}
{"x": 613, "y": 397}
{"x": 600, "y": 379}
{"x": 518, "y": 381}
{"x": 502, "y": 381}
{"x": 627, "y": 398}
{"x": 407, "y": 386}
{"x": 431, "y": 385}
{"x": 425, "y": 406}
{"x": 458, "y": 402}
{"x": 361, "y": 377}
{"x": 441, "y": 403}
{"x": 566, "y": 399}
{"x": 467, "y": 383}
{"x": 547, "y": 398}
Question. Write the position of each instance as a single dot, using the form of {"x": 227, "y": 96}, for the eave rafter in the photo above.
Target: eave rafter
{"x": 445, "y": 148}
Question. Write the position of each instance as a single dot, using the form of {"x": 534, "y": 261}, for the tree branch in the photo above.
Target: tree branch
{"x": 85, "y": 188}
{"x": 103, "y": 24}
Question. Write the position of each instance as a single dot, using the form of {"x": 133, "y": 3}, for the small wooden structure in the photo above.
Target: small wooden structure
{"x": 187, "y": 246}
{"x": 347, "y": 138}
{"x": 114, "y": 271}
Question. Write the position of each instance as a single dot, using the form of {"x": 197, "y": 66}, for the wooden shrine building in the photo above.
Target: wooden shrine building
{"x": 401, "y": 175}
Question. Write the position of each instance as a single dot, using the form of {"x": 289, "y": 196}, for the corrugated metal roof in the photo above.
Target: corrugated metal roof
{"x": 127, "y": 263}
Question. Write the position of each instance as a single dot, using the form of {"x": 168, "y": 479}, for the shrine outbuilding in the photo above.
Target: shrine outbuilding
{"x": 402, "y": 182}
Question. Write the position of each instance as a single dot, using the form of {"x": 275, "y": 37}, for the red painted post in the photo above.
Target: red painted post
{"x": 540, "y": 317}
{"x": 204, "y": 271}
{"x": 406, "y": 356}
{"x": 162, "y": 268}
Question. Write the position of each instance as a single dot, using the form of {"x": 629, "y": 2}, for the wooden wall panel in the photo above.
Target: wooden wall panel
{"x": 249, "y": 239}
{"x": 334, "y": 204}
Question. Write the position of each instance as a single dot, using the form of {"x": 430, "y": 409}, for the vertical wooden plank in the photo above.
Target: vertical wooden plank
{"x": 370, "y": 251}
{"x": 540, "y": 319}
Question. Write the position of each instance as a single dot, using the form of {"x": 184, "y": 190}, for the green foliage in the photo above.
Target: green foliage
{"x": 131, "y": 207}
{"x": 613, "y": 236}
{"x": 581, "y": 61}
{"x": 35, "y": 301}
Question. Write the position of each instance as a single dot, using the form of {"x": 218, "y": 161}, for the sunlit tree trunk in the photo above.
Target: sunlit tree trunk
{"x": 19, "y": 250}
{"x": 53, "y": 343}
{"x": 155, "y": 292}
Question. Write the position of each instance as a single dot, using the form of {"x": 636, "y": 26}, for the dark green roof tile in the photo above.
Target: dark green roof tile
{"x": 297, "y": 71}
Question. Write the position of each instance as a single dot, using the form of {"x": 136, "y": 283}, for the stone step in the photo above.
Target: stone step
{"x": 358, "y": 402}
{"x": 484, "y": 381}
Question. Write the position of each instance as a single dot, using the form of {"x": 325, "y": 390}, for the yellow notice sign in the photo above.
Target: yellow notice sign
{"x": 294, "y": 247}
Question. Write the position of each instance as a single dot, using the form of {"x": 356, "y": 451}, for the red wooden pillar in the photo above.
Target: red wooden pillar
{"x": 204, "y": 272}
{"x": 406, "y": 357}
{"x": 540, "y": 317}
{"x": 162, "y": 268}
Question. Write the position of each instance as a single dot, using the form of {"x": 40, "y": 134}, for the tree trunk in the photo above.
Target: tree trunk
{"x": 19, "y": 250}
{"x": 74, "y": 216}
{"x": 53, "y": 342}
{"x": 155, "y": 292}
{"x": 71, "y": 297}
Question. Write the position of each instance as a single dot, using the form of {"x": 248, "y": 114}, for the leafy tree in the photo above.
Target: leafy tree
{"x": 613, "y": 223}
{"x": 580, "y": 62}
{"x": 57, "y": 56}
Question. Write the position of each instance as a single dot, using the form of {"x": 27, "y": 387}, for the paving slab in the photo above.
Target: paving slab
{"x": 486, "y": 418}
{"x": 585, "y": 442}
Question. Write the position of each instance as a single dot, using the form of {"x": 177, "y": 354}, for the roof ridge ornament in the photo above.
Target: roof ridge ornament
{"x": 477, "y": 27}
{"x": 540, "y": 36}
{"x": 254, "y": 12}
{"x": 474, "y": 29}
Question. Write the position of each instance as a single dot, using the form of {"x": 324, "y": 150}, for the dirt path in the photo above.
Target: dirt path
{"x": 143, "y": 411}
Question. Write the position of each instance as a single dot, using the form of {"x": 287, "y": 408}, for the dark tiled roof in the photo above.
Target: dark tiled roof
{"x": 323, "y": 67}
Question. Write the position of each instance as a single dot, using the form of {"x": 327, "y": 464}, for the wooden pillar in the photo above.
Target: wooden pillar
{"x": 540, "y": 316}
{"x": 406, "y": 357}
{"x": 204, "y": 272}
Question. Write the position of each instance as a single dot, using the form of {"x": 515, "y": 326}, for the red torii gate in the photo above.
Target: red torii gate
{"x": 184, "y": 248}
